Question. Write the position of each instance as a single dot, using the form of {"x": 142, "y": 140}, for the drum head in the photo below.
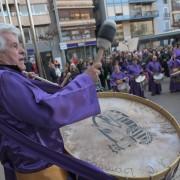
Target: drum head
{"x": 122, "y": 87}
{"x": 158, "y": 76}
{"x": 140, "y": 78}
{"x": 132, "y": 137}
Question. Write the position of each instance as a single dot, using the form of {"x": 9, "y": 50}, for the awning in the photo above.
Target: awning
{"x": 162, "y": 36}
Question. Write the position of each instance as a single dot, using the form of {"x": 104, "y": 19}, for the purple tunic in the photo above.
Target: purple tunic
{"x": 135, "y": 88}
{"x": 154, "y": 67}
{"x": 38, "y": 110}
{"x": 176, "y": 51}
{"x": 174, "y": 80}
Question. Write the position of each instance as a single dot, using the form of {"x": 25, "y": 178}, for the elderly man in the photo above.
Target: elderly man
{"x": 38, "y": 110}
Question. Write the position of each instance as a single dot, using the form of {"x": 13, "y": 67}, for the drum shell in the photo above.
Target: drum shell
{"x": 167, "y": 172}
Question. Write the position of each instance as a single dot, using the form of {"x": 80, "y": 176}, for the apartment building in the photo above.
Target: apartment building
{"x": 175, "y": 13}
{"x": 41, "y": 20}
{"x": 134, "y": 18}
{"x": 163, "y": 21}
{"x": 77, "y": 25}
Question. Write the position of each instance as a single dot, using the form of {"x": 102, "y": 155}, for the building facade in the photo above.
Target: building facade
{"x": 163, "y": 21}
{"x": 134, "y": 18}
{"x": 77, "y": 27}
{"x": 42, "y": 21}
{"x": 175, "y": 13}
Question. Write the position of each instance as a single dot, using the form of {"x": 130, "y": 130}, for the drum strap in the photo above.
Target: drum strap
{"x": 83, "y": 169}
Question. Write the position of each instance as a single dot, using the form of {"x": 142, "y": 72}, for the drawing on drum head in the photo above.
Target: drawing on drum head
{"x": 115, "y": 121}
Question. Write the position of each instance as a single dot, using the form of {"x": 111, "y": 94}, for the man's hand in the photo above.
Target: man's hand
{"x": 93, "y": 71}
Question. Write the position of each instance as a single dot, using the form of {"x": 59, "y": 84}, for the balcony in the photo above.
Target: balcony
{"x": 74, "y": 4}
{"x": 85, "y": 22}
{"x": 38, "y": 20}
{"x": 143, "y": 14}
{"x": 136, "y": 15}
{"x": 24, "y": 1}
{"x": 141, "y": 1}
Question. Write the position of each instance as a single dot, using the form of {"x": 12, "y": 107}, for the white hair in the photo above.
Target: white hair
{"x": 7, "y": 28}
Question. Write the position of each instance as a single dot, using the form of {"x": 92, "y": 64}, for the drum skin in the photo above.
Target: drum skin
{"x": 138, "y": 137}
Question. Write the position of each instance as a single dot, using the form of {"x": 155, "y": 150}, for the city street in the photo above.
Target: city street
{"x": 170, "y": 101}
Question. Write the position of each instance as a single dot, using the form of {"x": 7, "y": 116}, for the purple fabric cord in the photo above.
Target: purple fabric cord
{"x": 69, "y": 163}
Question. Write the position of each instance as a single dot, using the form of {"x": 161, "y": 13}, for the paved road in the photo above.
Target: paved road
{"x": 170, "y": 101}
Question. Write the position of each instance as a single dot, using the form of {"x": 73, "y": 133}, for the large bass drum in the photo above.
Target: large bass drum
{"x": 132, "y": 138}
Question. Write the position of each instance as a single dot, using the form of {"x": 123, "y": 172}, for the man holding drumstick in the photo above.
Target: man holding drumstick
{"x": 30, "y": 108}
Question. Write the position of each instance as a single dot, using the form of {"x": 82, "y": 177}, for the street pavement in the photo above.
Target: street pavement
{"x": 169, "y": 101}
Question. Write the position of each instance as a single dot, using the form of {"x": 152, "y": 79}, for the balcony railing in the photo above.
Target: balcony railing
{"x": 143, "y": 14}
{"x": 74, "y": 4}
{"x": 77, "y": 23}
{"x": 136, "y": 16}
{"x": 141, "y": 1}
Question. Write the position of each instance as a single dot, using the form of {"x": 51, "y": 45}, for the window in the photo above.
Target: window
{"x": 176, "y": 18}
{"x": 76, "y": 35}
{"x": 75, "y": 14}
{"x": 119, "y": 34}
{"x": 27, "y": 35}
{"x": 39, "y": 9}
{"x": 41, "y": 32}
{"x": 23, "y": 10}
{"x": 118, "y": 10}
{"x": 165, "y": 1}
{"x": 141, "y": 28}
{"x": 167, "y": 25}
{"x": 64, "y": 15}
{"x": 110, "y": 11}
{"x": 66, "y": 36}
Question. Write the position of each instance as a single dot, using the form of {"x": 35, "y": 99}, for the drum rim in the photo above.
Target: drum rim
{"x": 156, "y": 107}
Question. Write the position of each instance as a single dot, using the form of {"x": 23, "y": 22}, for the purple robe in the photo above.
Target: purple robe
{"x": 135, "y": 88}
{"x": 117, "y": 76}
{"x": 176, "y": 51}
{"x": 174, "y": 80}
{"x": 38, "y": 110}
{"x": 154, "y": 67}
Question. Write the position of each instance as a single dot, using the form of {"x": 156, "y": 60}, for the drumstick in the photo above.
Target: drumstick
{"x": 105, "y": 38}
{"x": 34, "y": 76}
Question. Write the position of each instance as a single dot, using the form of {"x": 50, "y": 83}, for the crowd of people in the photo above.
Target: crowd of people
{"x": 128, "y": 71}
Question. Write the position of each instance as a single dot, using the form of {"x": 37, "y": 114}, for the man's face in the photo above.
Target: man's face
{"x": 14, "y": 53}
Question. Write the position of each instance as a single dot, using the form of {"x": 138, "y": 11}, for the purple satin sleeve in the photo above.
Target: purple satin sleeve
{"x": 26, "y": 102}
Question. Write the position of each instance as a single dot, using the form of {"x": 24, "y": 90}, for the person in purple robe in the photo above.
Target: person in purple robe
{"x": 174, "y": 68}
{"x": 154, "y": 67}
{"x": 134, "y": 70}
{"x": 37, "y": 110}
{"x": 119, "y": 80}
{"x": 176, "y": 51}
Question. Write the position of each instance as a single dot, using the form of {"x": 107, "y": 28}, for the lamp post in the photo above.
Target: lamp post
{"x": 2, "y": 11}
{"x": 19, "y": 23}
{"x": 8, "y": 11}
{"x": 38, "y": 57}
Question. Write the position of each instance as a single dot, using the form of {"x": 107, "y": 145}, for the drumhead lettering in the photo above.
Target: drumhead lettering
{"x": 113, "y": 120}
